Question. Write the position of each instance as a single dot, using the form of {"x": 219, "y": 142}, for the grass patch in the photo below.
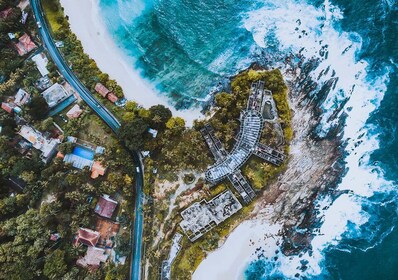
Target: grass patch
{"x": 54, "y": 14}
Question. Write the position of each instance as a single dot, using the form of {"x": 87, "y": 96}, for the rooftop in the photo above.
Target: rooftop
{"x": 113, "y": 98}
{"x": 41, "y": 63}
{"x": 74, "y": 112}
{"x": 202, "y": 216}
{"x": 101, "y": 89}
{"x": 39, "y": 142}
{"x": 22, "y": 97}
{"x": 55, "y": 95}
{"x": 105, "y": 206}
{"x": 94, "y": 257}
{"x": 97, "y": 170}
{"x": 5, "y": 13}
{"x": 8, "y": 107}
{"x": 87, "y": 237}
{"x": 108, "y": 230}
{"x": 25, "y": 45}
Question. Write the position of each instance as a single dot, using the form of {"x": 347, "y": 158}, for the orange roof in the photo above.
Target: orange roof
{"x": 60, "y": 155}
{"x": 108, "y": 230}
{"x": 101, "y": 89}
{"x": 97, "y": 169}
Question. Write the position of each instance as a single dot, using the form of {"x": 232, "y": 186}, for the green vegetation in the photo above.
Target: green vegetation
{"x": 174, "y": 150}
{"x": 58, "y": 198}
{"x": 53, "y": 198}
{"x": 83, "y": 66}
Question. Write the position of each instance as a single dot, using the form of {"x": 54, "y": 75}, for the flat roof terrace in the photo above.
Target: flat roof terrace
{"x": 202, "y": 216}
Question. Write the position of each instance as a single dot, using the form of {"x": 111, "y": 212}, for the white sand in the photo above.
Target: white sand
{"x": 86, "y": 23}
{"x": 230, "y": 261}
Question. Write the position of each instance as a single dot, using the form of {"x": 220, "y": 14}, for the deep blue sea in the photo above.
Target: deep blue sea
{"x": 186, "y": 48}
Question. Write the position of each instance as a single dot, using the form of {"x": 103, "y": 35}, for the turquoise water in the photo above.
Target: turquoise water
{"x": 187, "y": 48}
{"x": 83, "y": 152}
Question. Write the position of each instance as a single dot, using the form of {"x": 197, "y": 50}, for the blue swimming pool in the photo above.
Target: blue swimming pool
{"x": 84, "y": 153}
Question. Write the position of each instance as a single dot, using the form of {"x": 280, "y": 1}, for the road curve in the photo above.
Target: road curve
{"x": 108, "y": 118}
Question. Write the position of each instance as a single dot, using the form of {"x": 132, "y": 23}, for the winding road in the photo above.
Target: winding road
{"x": 108, "y": 118}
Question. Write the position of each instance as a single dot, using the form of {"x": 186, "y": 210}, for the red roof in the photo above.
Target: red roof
{"x": 113, "y": 98}
{"x": 101, "y": 89}
{"x": 105, "y": 206}
{"x": 25, "y": 45}
{"x": 87, "y": 237}
{"x": 7, "y": 107}
{"x": 5, "y": 13}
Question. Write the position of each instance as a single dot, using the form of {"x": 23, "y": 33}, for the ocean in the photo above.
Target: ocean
{"x": 189, "y": 48}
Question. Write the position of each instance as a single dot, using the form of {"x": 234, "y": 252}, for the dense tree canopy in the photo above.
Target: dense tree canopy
{"x": 158, "y": 116}
{"x": 38, "y": 107}
{"x": 134, "y": 133}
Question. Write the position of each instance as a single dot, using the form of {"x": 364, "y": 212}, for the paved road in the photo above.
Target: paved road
{"x": 108, "y": 118}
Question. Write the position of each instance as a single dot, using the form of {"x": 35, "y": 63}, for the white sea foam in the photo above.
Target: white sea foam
{"x": 297, "y": 26}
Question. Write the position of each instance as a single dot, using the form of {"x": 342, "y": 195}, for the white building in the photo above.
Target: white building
{"x": 55, "y": 95}
{"x": 41, "y": 63}
{"x": 46, "y": 146}
{"x": 22, "y": 97}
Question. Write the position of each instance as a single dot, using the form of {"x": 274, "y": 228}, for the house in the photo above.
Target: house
{"x": 83, "y": 156}
{"x": 5, "y": 13}
{"x": 46, "y": 146}
{"x": 154, "y": 132}
{"x": 101, "y": 89}
{"x": 11, "y": 36}
{"x": 74, "y": 112}
{"x": 25, "y": 45}
{"x": 105, "y": 206}
{"x": 93, "y": 258}
{"x": 8, "y": 107}
{"x": 87, "y": 237}
{"x": 43, "y": 83}
{"x": 59, "y": 44}
{"x": 108, "y": 230}
{"x": 22, "y": 97}
{"x": 55, "y": 236}
{"x": 55, "y": 94}
{"x": 97, "y": 169}
{"x": 111, "y": 97}
{"x": 23, "y": 4}
{"x": 24, "y": 17}
{"x": 41, "y": 62}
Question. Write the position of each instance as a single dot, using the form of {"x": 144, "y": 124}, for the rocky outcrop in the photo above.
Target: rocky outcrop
{"x": 314, "y": 168}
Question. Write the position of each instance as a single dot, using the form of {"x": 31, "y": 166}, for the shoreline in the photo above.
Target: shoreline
{"x": 267, "y": 233}
{"x": 85, "y": 22}
{"x": 239, "y": 250}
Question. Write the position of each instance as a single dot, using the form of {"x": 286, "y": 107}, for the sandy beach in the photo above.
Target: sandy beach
{"x": 86, "y": 23}
{"x": 230, "y": 261}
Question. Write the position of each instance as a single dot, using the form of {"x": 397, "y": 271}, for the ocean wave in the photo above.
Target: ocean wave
{"x": 286, "y": 27}
{"x": 186, "y": 47}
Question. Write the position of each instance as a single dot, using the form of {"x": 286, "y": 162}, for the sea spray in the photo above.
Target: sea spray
{"x": 186, "y": 47}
